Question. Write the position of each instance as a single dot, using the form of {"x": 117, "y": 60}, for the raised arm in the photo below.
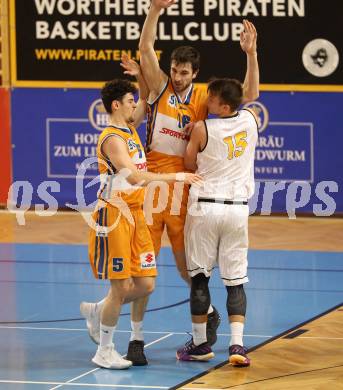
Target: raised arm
{"x": 115, "y": 149}
{"x": 152, "y": 73}
{"x": 248, "y": 42}
{"x": 133, "y": 69}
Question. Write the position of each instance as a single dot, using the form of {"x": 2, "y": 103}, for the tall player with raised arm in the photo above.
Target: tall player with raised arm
{"x": 174, "y": 101}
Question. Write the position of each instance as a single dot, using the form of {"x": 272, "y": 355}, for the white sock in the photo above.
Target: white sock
{"x": 137, "y": 331}
{"x": 210, "y": 310}
{"x": 106, "y": 335}
{"x": 236, "y": 333}
{"x": 199, "y": 333}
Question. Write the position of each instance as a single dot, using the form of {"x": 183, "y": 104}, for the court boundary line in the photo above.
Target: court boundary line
{"x": 70, "y": 381}
{"x": 80, "y": 384}
{"x": 158, "y": 332}
{"x": 258, "y": 346}
{"x": 119, "y": 331}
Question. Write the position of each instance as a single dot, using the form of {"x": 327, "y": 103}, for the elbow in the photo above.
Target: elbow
{"x": 134, "y": 179}
{"x": 131, "y": 181}
{"x": 256, "y": 95}
{"x": 253, "y": 96}
{"x": 186, "y": 163}
{"x": 190, "y": 166}
{"x": 250, "y": 97}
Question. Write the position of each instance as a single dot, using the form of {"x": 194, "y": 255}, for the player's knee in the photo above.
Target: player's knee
{"x": 184, "y": 274}
{"x": 180, "y": 260}
{"x": 150, "y": 285}
{"x": 200, "y": 295}
{"x": 236, "y": 302}
{"x": 119, "y": 290}
{"x": 146, "y": 285}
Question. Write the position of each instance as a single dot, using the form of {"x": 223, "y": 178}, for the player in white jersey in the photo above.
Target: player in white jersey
{"x": 222, "y": 151}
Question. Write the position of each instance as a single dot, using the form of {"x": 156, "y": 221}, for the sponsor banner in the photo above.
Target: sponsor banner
{"x": 284, "y": 150}
{"x": 69, "y": 142}
{"x": 285, "y": 157}
{"x": 5, "y": 145}
{"x": 299, "y": 142}
{"x": 78, "y": 41}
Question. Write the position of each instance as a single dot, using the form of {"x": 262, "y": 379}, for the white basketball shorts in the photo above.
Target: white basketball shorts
{"x": 218, "y": 234}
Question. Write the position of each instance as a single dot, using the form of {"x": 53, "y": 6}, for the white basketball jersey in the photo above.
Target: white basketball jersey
{"x": 227, "y": 161}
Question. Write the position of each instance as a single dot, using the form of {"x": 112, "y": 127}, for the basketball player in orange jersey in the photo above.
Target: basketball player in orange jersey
{"x": 174, "y": 101}
{"x": 120, "y": 246}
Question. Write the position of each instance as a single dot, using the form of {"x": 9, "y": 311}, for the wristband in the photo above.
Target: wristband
{"x": 180, "y": 176}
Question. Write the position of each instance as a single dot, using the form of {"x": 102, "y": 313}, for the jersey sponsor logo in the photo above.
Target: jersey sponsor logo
{"x": 97, "y": 115}
{"x": 148, "y": 260}
{"x": 172, "y": 101}
{"x": 175, "y": 134}
{"x": 320, "y": 57}
{"x": 142, "y": 166}
{"x": 262, "y": 114}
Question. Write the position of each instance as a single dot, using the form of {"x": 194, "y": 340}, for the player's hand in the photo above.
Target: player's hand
{"x": 189, "y": 128}
{"x": 130, "y": 66}
{"x": 163, "y": 3}
{"x": 192, "y": 178}
{"x": 248, "y": 38}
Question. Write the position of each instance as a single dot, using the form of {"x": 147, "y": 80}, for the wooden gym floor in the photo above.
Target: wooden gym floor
{"x": 307, "y": 356}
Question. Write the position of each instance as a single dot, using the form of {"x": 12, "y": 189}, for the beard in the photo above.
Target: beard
{"x": 181, "y": 87}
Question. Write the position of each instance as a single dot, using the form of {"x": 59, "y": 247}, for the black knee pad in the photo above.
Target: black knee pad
{"x": 236, "y": 302}
{"x": 200, "y": 295}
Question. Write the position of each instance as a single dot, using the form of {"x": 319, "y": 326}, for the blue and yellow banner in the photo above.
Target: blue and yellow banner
{"x": 298, "y": 161}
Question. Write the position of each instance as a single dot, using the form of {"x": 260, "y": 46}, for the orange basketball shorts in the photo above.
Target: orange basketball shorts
{"x": 120, "y": 247}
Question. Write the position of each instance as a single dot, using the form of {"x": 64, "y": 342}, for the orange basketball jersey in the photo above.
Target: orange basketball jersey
{"x": 167, "y": 117}
{"x": 114, "y": 185}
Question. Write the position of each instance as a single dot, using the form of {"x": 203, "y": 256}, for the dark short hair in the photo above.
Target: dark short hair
{"x": 116, "y": 90}
{"x": 229, "y": 91}
{"x": 184, "y": 54}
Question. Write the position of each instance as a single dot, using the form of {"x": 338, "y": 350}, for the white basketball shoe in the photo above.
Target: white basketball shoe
{"x": 108, "y": 357}
{"x": 91, "y": 313}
